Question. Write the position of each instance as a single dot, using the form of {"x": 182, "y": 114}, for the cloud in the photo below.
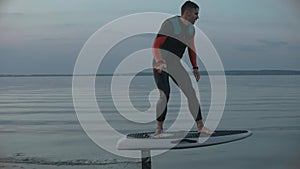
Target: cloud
{"x": 262, "y": 45}
{"x": 249, "y": 48}
{"x": 12, "y": 14}
{"x": 69, "y": 25}
{"x": 55, "y": 39}
{"x": 274, "y": 43}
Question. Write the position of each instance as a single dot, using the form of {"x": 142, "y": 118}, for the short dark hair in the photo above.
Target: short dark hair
{"x": 188, "y": 5}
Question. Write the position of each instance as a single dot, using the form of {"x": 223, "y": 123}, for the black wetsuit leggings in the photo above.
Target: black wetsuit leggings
{"x": 180, "y": 76}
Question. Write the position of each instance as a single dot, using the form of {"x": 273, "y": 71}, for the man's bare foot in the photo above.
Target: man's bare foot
{"x": 202, "y": 129}
{"x": 158, "y": 133}
{"x": 205, "y": 131}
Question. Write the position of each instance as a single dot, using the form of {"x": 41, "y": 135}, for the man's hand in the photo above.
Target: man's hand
{"x": 160, "y": 66}
{"x": 196, "y": 74}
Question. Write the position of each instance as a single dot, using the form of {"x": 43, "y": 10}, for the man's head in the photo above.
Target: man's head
{"x": 190, "y": 11}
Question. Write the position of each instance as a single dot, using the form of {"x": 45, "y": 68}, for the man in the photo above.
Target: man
{"x": 175, "y": 35}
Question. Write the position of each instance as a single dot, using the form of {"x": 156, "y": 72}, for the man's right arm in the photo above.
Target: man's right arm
{"x": 159, "y": 40}
{"x": 165, "y": 30}
{"x": 160, "y": 63}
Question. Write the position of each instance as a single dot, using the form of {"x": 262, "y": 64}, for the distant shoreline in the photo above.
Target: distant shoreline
{"x": 228, "y": 73}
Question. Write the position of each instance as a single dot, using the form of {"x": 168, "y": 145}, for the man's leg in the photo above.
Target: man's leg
{"x": 183, "y": 81}
{"x": 162, "y": 83}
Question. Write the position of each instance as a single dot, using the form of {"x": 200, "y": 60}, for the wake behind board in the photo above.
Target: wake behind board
{"x": 179, "y": 139}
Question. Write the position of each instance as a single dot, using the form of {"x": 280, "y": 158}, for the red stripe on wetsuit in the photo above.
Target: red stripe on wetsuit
{"x": 160, "y": 40}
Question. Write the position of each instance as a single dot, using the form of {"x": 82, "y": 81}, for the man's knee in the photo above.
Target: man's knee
{"x": 164, "y": 95}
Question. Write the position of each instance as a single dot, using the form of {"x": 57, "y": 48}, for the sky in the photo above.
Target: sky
{"x": 46, "y": 36}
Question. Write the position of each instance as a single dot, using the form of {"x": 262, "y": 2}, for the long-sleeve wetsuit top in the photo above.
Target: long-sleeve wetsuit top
{"x": 174, "y": 36}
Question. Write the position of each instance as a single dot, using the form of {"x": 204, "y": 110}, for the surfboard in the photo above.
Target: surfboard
{"x": 179, "y": 139}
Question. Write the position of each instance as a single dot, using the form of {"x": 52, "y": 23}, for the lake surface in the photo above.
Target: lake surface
{"x": 38, "y": 123}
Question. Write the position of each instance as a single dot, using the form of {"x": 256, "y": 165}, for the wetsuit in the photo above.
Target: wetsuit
{"x": 171, "y": 41}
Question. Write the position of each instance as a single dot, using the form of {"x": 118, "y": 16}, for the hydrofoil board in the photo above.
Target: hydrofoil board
{"x": 179, "y": 139}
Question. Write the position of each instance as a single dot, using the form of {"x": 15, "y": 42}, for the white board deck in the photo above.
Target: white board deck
{"x": 179, "y": 140}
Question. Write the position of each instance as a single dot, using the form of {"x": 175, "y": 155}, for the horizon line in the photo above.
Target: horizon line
{"x": 226, "y": 72}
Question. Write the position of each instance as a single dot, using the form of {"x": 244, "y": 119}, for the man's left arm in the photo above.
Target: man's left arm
{"x": 193, "y": 58}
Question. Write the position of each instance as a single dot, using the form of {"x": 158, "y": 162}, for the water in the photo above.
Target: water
{"x": 38, "y": 124}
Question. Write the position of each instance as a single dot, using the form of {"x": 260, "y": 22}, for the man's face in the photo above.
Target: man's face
{"x": 193, "y": 15}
